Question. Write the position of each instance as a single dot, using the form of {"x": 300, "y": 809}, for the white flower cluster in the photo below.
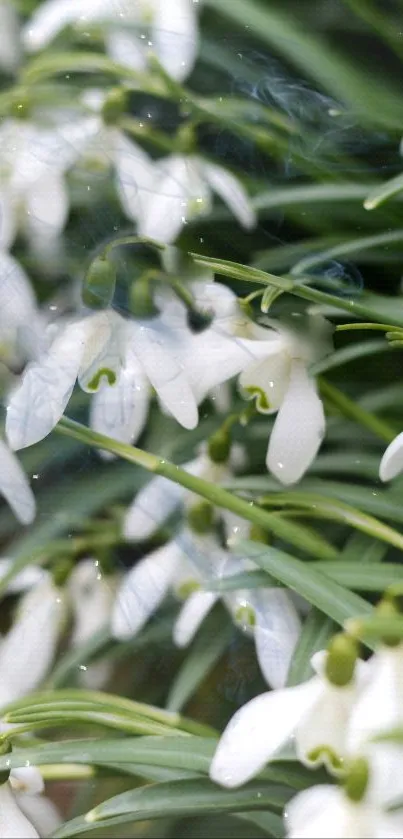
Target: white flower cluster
{"x": 338, "y": 718}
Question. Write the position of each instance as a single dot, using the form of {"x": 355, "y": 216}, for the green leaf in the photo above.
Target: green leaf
{"x": 383, "y": 192}
{"x": 210, "y": 643}
{"x": 316, "y": 632}
{"x": 351, "y": 574}
{"x": 348, "y": 354}
{"x": 353, "y": 246}
{"x": 177, "y": 798}
{"x": 327, "y": 595}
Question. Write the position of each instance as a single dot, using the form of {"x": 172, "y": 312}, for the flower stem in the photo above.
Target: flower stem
{"x": 287, "y": 530}
{"x": 354, "y": 411}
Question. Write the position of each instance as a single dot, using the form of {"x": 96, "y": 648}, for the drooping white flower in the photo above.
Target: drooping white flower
{"x": 315, "y": 712}
{"x": 20, "y": 321}
{"x": 326, "y": 812}
{"x": 10, "y": 42}
{"x": 91, "y": 595}
{"x": 13, "y": 822}
{"x": 14, "y": 486}
{"x": 171, "y": 25}
{"x": 26, "y": 579}
{"x": 180, "y": 191}
{"x": 268, "y": 616}
{"x": 101, "y": 350}
{"x": 28, "y": 789}
{"x": 392, "y": 461}
{"x": 27, "y": 651}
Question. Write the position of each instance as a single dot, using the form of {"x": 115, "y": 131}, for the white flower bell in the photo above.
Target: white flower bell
{"x": 91, "y": 595}
{"x": 181, "y": 190}
{"x": 173, "y": 24}
{"x": 27, "y": 651}
{"x": 316, "y": 712}
{"x": 392, "y": 461}
{"x": 102, "y": 351}
{"x": 13, "y": 823}
{"x": 14, "y": 486}
{"x": 20, "y": 322}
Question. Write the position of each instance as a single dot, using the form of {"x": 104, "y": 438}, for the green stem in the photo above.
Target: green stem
{"x": 287, "y": 284}
{"x": 355, "y": 412}
{"x": 218, "y": 496}
{"x": 381, "y": 327}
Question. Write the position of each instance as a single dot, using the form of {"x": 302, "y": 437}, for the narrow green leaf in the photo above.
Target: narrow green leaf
{"x": 348, "y": 354}
{"x": 210, "y": 643}
{"x": 178, "y": 798}
{"x": 352, "y": 574}
{"x": 383, "y": 192}
{"x": 348, "y": 248}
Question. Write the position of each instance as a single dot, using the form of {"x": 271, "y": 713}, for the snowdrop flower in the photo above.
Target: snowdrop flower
{"x": 268, "y": 615}
{"x": 174, "y": 565}
{"x": 91, "y": 595}
{"x": 180, "y": 191}
{"x": 27, "y": 651}
{"x": 392, "y": 461}
{"x": 327, "y": 812}
{"x": 28, "y": 787}
{"x": 173, "y": 25}
{"x": 102, "y": 350}
{"x": 14, "y": 486}
{"x": 20, "y": 320}
{"x": 315, "y": 712}
{"x": 10, "y": 44}
{"x": 13, "y": 823}
{"x": 33, "y": 194}
{"x": 26, "y": 579}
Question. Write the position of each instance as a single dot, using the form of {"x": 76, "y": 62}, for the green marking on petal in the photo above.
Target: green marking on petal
{"x": 245, "y": 616}
{"x": 255, "y": 392}
{"x": 324, "y": 754}
{"x": 187, "y": 588}
{"x": 102, "y": 372}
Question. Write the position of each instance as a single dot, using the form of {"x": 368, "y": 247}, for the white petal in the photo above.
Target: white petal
{"x": 380, "y": 703}
{"x": 28, "y": 780}
{"x": 191, "y": 616}
{"x": 13, "y": 823}
{"x": 326, "y": 725}
{"x": 27, "y": 651}
{"x": 47, "y": 207}
{"x": 10, "y": 47}
{"x": 92, "y": 596}
{"x": 155, "y": 503}
{"x": 175, "y": 36}
{"x": 103, "y": 352}
{"x": 298, "y": 430}
{"x": 151, "y": 343}
{"x": 26, "y": 579}
{"x": 121, "y": 411}
{"x": 18, "y": 312}
{"x": 126, "y": 48}
{"x": 230, "y": 189}
{"x": 320, "y": 812}
{"x": 8, "y": 218}
{"x": 276, "y": 631}
{"x": 48, "y": 20}
{"x": 258, "y": 730}
{"x": 36, "y": 406}
{"x": 392, "y": 461}
{"x": 268, "y": 379}
{"x": 43, "y": 814}
{"x": 14, "y": 486}
{"x": 143, "y": 589}
{"x": 176, "y": 195}
{"x": 135, "y": 177}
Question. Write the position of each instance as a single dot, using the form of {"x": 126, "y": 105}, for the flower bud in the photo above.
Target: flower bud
{"x": 201, "y": 517}
{"x": 99, "y": 284}
{"x": 219, "y": 446}
{"x": 342, "y": 654}
{"x": 357, "y": 778}
{"x": 114, "y": 106}
{"x": 257, "y": 533}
